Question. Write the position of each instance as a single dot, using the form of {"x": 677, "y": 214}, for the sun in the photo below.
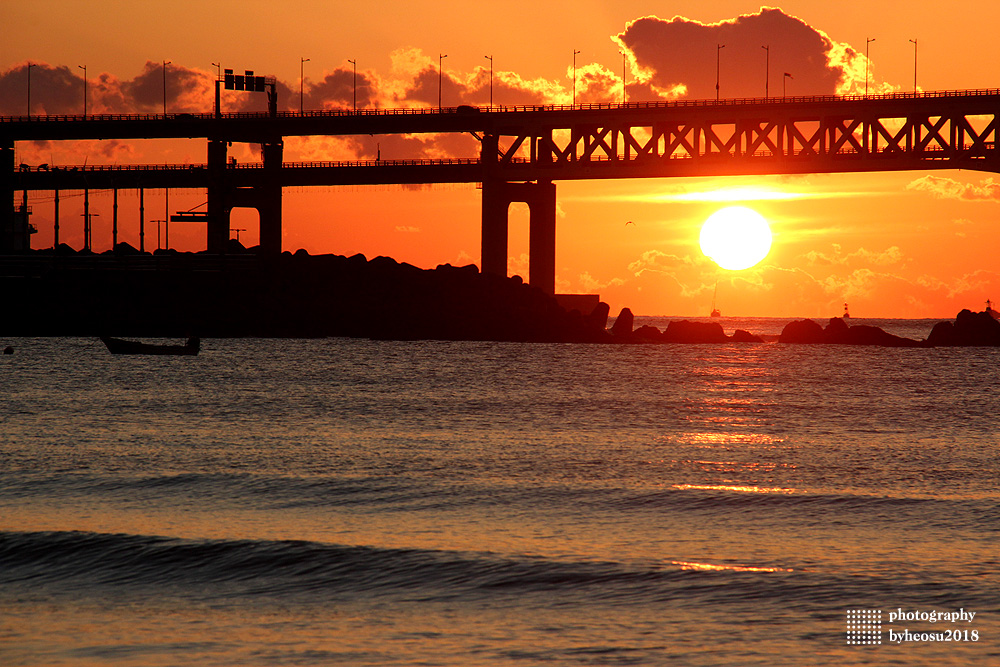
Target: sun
{"x": 735, "y": 237}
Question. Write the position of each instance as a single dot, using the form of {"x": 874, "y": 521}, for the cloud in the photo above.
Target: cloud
{"x": 54, "y": 90}
{"x": 947, "y": 188}
{"x": 407, "y": 229}
{"x": 890, "y": 256}
{"x": 680, "y": 56}
{"x": 337, "y": 90}
{"x": 659, "y": 262}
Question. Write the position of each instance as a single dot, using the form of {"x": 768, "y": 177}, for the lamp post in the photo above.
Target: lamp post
{"x": 165, "y": 63}
{"x": 218, "y": 83}
{"x": 574, "y": 76}
{"x": 624, "y": 70}
{"x": 490, "y": 58}
{"x": 355, "y": 64}
{"x": 914, "y": 66}
{"x": 440, "y": 77}
{"x": 718, "y": 50}
{"x": 84, "y": 68}
{"x": 302, "y": 66}
{"x": 867, "y": 42}
{"x": 30, "y": 65}
{"x": 767, "y": 69}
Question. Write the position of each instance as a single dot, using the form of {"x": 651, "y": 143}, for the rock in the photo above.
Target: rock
{"x": 647, "y": 333}
{"x": 623, "y": 324}
{"x": 8, "y": 350}
{"x": 973, "y": 329}
{"x": 741, "y": 336}
{"x": 125, "y": 248}
{"x": 695, "y": 332}
{"x": 837, "y": 332}
{"x": 598, "y": 318}
{"x": 802, "y": 331}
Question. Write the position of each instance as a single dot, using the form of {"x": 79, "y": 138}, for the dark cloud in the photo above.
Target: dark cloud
{"x": 54, "y": 90}
{"x": 682, "y": 52}
{"x": 337, "y": 90}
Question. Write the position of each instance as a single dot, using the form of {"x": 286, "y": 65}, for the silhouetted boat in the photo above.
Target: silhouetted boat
{"x": 715, "y": 311}
{"x": 121, "y": 346}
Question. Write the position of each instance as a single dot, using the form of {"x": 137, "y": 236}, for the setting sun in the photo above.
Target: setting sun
{"x": 735, "y": 237}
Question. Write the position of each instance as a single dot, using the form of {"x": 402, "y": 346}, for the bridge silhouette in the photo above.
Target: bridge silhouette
{"x": 524, "y": 150}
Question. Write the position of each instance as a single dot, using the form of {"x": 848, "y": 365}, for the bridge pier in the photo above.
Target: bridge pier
{"x": 265, "y": 197}
{"x": 541, "y": 200}
{"x": 7, "y": 216}
{"x": 218, "y": 208}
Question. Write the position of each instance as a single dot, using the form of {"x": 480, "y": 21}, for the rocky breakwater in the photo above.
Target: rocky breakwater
{"x": 837, "y": 332}
{"x": 172, "y": 294}
{"x": 968, "y": 329}
{"x": 681, "y": 331}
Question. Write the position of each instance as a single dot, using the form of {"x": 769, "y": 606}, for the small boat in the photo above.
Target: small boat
{"x": 121, "y": 346}
{"x": 715, "y": 311}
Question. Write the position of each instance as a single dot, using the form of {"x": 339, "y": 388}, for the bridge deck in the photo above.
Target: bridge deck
{"x": 253, "y": 126}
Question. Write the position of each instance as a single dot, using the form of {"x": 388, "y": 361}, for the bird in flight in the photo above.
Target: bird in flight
{"x": 629, "y": 223}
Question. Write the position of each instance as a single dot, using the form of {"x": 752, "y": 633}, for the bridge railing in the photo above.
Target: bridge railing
{"x": 466, "y": 109}
{"x": 932, "y": 152}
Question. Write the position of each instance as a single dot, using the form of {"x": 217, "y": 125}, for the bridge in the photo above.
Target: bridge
{"x": 524, "y": 150}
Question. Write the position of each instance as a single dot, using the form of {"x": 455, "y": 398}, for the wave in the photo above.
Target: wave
{"x": 401, "y": 493}
{"x": 83, "y": 563}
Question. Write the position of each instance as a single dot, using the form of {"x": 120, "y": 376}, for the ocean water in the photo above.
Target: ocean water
{"x": 355, "y": 502}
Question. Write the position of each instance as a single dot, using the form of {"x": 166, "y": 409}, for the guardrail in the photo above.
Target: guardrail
{"x": 466, "y": 109}
{"x": 933, "y": 151}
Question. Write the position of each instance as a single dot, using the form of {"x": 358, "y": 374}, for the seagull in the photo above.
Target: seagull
{"x": 629, "y": 223}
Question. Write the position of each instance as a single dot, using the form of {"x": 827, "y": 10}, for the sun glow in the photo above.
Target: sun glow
{"x": 735, "y": 237}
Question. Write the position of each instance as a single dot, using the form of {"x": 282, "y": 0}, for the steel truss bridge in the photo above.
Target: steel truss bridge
{"x": 524, "y": 150}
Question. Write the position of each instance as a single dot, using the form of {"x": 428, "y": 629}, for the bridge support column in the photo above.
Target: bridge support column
{"x": 7, "y": 193}
{"x": 269, "y": 198}
{"x": 541, "y": 200}
{"x": 496, "y": 201}
{"x": 218, "y": 204}
{"x": 542, "y": 237}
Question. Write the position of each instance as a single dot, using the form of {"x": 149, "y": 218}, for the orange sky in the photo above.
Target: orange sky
{"x": 908, "y": 244}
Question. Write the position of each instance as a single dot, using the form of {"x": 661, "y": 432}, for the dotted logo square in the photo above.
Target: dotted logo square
{"x": 864, "y": 626}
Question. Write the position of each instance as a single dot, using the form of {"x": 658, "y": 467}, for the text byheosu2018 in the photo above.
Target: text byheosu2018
{"x": 940, "y": 636}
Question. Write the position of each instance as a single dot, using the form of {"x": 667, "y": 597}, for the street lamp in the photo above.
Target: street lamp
{"x": 302, "y": 62}
{"x": 84, "y": 68}
{"x": 440, "y": 78}
{"x": 165, "y": 63}
{"x": 355, "y": 63}
{"x": 574, "y": 76}
{"x": 30, "y": 65}
{"x": 718, "y": 50}
{"x": 767, "y": 69}
{"x": 624, "y": 71}
{"x": 867, "y": 42}
{"x": 490, "y": 58}
{"x": 218, "y": 82}
{"x": 914, "y": 65}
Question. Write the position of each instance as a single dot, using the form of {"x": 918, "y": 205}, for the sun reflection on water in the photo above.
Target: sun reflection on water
{"x": 711, "y": 567}
{"x": 733, "y": 487}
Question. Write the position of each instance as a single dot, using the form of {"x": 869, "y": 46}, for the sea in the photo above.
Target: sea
{"x": 340, "y": 501}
